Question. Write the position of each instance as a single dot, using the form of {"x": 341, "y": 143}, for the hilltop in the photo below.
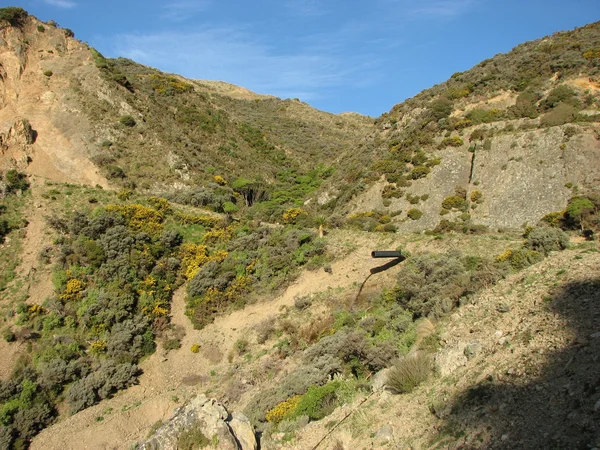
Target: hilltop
{"x": 186, "y": 263}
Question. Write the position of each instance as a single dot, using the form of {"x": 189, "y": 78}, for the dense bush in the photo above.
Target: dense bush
{"x": 105, "y": 380}
{"x": 418, "y": 172}
{"x": 414, "y": 214}
{"x": 451, "y": 141}
{"x": 455, "y": 202}
{"x": 13, "y": 15}
{"x": 434, "y": 283}
{"x": 440, "y": 108}
{"x": 546, "y": 239}
{"x": 562, "y": 114}
{"x": 479, "y": 115}
{"x": 16, "y": 181}
{"x": 127, "y": 121}
{"x": 115, "y": 275}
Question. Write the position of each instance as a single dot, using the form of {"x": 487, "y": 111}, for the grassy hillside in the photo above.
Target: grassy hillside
{"x": 222, "y": 198}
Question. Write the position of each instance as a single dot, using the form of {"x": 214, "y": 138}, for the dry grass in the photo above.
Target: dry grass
{"x": 408, "y": 372}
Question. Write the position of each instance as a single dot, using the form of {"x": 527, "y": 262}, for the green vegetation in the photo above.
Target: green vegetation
{"x": 451, "y": 141}
{"x": 128, "y": 121}
{"x": 408, "y": 372}
{"x": 414, "y": 214}
{"x": 249, "y": 259}
{"x": 13, "y": 15}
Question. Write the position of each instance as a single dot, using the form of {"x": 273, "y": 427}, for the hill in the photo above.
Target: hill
{"x": 514, "y": 135}
{"x": 186, "y": 263}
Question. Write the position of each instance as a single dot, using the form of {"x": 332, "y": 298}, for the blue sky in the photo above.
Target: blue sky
{"x": 353, "y": 55}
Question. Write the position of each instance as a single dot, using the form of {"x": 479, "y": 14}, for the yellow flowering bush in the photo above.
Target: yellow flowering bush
{"x": 140, "y": 218}
{"x": 283, "y": 409}
{"x": 73, "y": 290}
{"x": 292, "y": 214}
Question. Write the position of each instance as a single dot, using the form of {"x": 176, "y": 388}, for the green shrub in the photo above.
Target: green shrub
{"x": 526, "y": 105}
{"x": 408, "y": 372}
{"x": 48, "y": 73}
{"x": 476, "y": 196}
{"x": 521, "y": 258}
{"x": 16, "y": 181}
{"x": 580, "y": 210}
{"x": 560, "y": 115}
{"x": 414, "y": 214}
{"x": 562, "y": 94}
{"x": 318, "y": 401}
{"x": 391, "y": 191}
{"x": 127, "y": 121}
{"x": 451, "y": 141}
{"x": 193, "y": 439}
{"x": 13, "y": 15}
{"x": 418, "y": 172}
{"x": 455, "y": 202}
{"x": 440, "y": 108}
{"x": 41, "y": 28}
{"x": 479, "y": 115}
{"x": 230, "y": 208}
{"x": 546, "y": 239}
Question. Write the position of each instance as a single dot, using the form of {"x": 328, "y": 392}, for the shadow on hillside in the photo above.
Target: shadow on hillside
{"x": 560, "y": 408}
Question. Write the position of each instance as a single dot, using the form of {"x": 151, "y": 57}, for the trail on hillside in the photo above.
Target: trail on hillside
{"x": 171, "y": 377}
{"x": 32, "y": 280}
{"x": 36, "y": 278}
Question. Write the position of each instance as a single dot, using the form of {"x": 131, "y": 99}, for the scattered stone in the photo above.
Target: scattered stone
{"x": 385, "y": 434}
{"x": 450, "y": 359}
{"x": 595, "y": 335}
{"x": 472, "y": 349}
{"x": 597, "y": 406}
{"x": 503, "y": 308}
{"x": 379, "y": 380}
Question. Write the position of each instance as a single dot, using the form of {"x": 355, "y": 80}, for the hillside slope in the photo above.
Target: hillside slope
{"x": 517, "y": 135}
{"x": 93, "y": 118}
{"x": 163, "y": 238}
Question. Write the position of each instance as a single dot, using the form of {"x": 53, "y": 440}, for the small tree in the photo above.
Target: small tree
{"x": 579, "y": 209}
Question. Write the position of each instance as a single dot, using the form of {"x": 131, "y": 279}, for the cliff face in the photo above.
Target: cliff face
{"x": 520, "y": 175}
{"x": 35, "y": 68}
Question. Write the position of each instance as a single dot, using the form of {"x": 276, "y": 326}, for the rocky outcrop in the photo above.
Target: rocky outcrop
{"x": 18, "y": 133}
{"x": 520, "y": 176}
{"x": 211, "y": 419}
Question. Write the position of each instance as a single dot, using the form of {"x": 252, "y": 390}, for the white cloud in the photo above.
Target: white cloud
{"x": 227, "y": 54}
{"x": 61, "y": 3}
{"x": 180, "y": 10}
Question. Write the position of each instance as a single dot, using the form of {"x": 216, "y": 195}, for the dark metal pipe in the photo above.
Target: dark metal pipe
{"x": 386, "y": 254}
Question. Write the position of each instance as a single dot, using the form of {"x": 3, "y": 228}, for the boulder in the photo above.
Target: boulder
{"x": 211, "y": 419}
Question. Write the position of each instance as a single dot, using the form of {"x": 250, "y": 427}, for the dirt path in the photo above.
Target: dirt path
{"x": 36, "y": 278}
{"x": 32, "y": 279}
{"x": 170, "y": 378}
